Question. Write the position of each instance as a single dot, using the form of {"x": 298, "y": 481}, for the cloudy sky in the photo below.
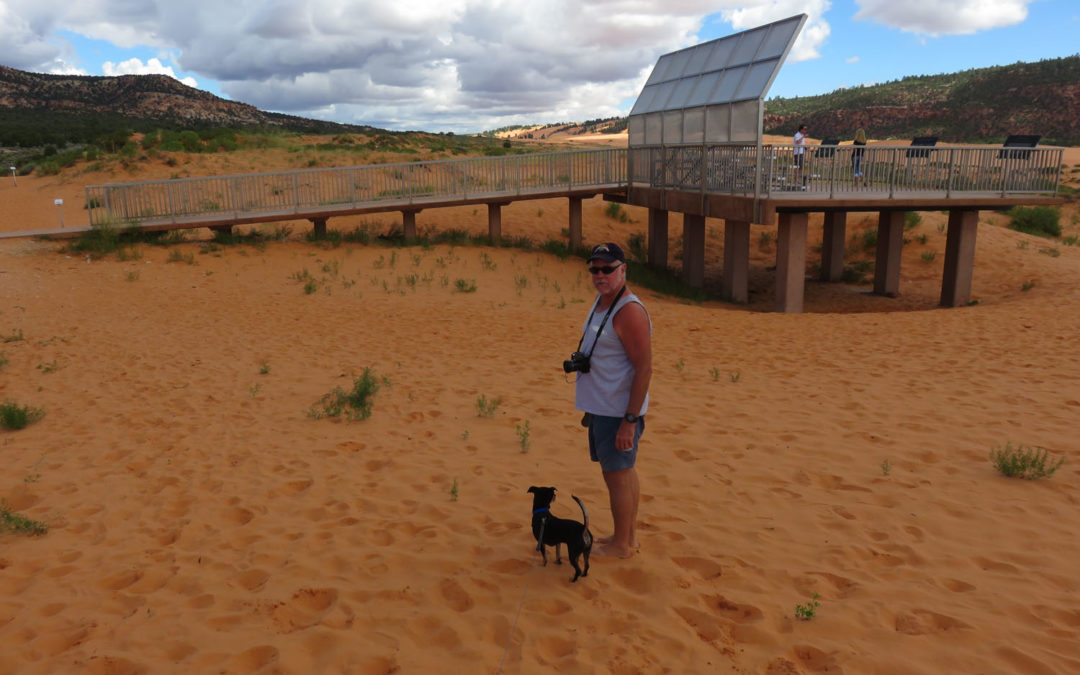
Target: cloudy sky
{"x": 471, "y": 65}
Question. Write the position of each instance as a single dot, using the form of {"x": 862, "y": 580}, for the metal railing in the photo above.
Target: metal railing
{"x": 396, "y": 185}
{"x": 824, "y": 171}
{"x": 842, "y": 170}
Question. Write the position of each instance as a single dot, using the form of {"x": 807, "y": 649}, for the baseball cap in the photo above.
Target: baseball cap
{"x": 608, "y": 252}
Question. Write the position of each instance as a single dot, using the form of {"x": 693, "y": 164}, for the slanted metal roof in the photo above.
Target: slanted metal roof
{"x": 721, "y": 72}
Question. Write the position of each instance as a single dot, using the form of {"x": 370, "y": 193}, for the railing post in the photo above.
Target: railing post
{"x": 892, "y": 172}
{"x": 296, "y": 192}
{"x": 948, "y": 182}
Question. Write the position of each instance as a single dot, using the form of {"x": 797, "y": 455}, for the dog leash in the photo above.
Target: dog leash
{"x": 521, "y": 603}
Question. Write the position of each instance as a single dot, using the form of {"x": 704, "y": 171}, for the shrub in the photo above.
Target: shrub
{"x": 1022, "y": 462}
{"x": 355, "y": 404}
{"x": 20, "y": 524}
{"x": 14, "y": 416}
{"x": 1041, "y": 221}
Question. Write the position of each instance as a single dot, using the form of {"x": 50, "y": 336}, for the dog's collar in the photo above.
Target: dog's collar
{"x": 536, "y": 511}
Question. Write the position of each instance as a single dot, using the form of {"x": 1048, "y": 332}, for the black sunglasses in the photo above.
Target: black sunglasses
{"x": 606, "y": 269}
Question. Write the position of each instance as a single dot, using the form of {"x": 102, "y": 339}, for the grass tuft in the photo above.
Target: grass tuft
{"x": 354, "y": 405}
{"x": 1024, "y": 462}
{"x": 20, "y": 524}
{"x": 14, "y": 416}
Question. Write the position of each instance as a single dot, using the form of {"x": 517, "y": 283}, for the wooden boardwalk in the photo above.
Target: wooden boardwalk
{"x": 741, "y": 184}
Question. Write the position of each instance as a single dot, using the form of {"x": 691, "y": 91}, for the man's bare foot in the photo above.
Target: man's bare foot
{"x": 604, "y": 541}
{"x": 611, "y": 551}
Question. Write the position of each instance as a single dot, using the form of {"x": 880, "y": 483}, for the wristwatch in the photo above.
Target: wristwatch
{"x": 631, "y": 418}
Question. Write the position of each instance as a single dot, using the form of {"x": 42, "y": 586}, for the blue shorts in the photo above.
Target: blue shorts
{"x": 602, "y": 431}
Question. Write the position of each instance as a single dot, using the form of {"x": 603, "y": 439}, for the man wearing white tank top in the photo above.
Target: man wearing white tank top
{"x": 614, "y": 390}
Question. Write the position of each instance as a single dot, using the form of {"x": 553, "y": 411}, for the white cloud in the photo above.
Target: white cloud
{"x": 152, "y": 66}
{"x": 433, "y": 64}
{"x": 937, "y": 17}
{"x": 851, "y": 59}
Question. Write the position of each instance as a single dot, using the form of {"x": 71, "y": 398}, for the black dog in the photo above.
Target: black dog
{"x": 552, "y": 531}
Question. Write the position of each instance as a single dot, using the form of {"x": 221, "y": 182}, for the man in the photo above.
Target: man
{"x": 614, "y": 393}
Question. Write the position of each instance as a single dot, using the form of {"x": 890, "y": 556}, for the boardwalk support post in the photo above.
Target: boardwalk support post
{"x": 959, "y": 257}
{"x": 890, "y": 244}
{"x": 736, "y": 273}
{"x": 575, "y": 223}
{"x": 658, "y": 238}
{"x": 318, "y": 227}
{"x": 791, "y": 262}
{"x": 832, "y": 246}
{"x": 694, "y": 250}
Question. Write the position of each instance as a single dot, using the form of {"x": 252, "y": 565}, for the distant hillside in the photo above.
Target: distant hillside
{"x": 38, "y": 109}
{"x": 976, "y": 106}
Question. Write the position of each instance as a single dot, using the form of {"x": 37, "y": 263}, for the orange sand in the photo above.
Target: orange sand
{"x": 202, "y": 522}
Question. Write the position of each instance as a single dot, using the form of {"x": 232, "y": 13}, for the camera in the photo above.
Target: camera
{"x": 578, "y": 362}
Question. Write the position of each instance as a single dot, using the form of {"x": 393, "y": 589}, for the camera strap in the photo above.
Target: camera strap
{"x": 602, "y": 323}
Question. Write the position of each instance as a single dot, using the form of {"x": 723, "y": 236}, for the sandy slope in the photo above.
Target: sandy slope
{"x": 201, "y": 521}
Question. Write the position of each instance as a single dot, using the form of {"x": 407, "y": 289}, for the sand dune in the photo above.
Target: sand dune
{"x": 202, "y": 521}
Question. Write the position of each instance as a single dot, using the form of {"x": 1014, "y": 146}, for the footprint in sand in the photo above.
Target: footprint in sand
{"x": 925, "y": 622}
{"x": 456, "y": 597}
{"x": 814, "y": 659}
{"x": 306, "y": 608}
{"x": 734, "y": 611}
{"x": 707, "y": 626}
{"x": 703, "y": 567}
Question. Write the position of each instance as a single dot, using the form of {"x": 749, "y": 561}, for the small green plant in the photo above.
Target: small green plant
{"x": 922, "y": 239}
{"x": 886, "y": 468}
{"x": 1052, "y": 252}
{"x": 1027, "y": 286}
{"x": 20, "y": 524}
{"x": 14, "y": 416}
{"x": 31, "y": 478}
{"x": 928, "y": 256}
{"x": 176, "y": 255}
{"x": 454, "y": 490}
{"x": 15, "y": 336}
{"x": 132, "y": 275}
{"x": 1024, "y": 462}
{"x": 715, "y": 372}
{"x": 1022, "y": 244}
{"x": 264, "y": 368}
{"x": 465, "y": 435}
{"x": 523, "y": 436}
{"x": 486, "y": 407}
{"x": 253, "y": 391}
{"x": 1041, "y": 221}
{"x": 3, "y": 361}
{"x": 50, "y": 367}
{"x": 355, "y": 404}
{"x": 912, "y": 219}
{"x": 680, "y": 366}
{"x": 1071, "y": 240}
{"x": 734, "y": 376}
{"x": 807, "y": 611}
{"x": 465, "y": 286}
{"x": 765, "y": 240}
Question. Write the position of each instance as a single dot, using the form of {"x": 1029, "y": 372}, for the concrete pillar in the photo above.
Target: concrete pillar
{"x": 693, "y": 259}
{"x": 736, "y": 274}
{"x": 408, "y": 224}
{"x": 790, "y": 262}
{"x": 890, "y": 244}
{"x": 959, "y": 258}
{"x": 658, "y": 238}
{"x": 318, "y": 226}
{"x": 495, "y": 222}
{"x": 832, "y": 246}
{"x": 575, "y": 223}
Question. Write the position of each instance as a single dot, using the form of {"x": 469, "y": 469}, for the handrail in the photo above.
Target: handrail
{"x": 733, "y": 169}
